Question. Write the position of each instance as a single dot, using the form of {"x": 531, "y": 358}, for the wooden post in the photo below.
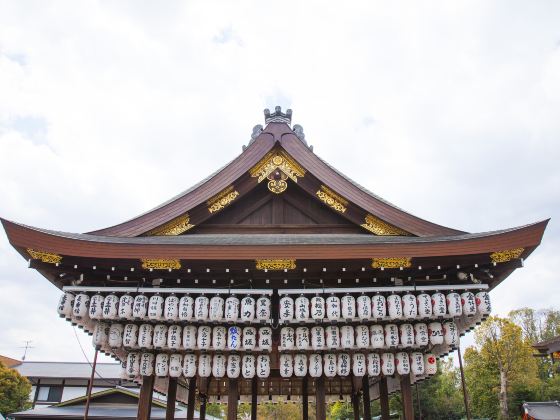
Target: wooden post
{"x": 464, "y": 385}
{"x": 384, "y": 399}
{"x": 320, "y": 405}
{"x": 145, "y": 400}
{"x": 365, "y": 394}
{"x": 254, "y": 386}
{"x": 191, "y": 398}
{"x": 356, "y": 405}
{"x": 304, "y": 399}
{"x": 418, "y": 400}
{"x": 233, "y": 395}
{"x": 171, "y": 397}
{"x": 90, "y": 385}
{"x": 406, "y": 392}
{"x": 203, "y": 407}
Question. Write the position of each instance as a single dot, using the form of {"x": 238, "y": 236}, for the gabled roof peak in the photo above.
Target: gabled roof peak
{"x": 278, "y": 116}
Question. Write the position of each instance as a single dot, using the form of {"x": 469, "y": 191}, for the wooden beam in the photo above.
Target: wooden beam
{"x": 365, "y": 395}
{"x": 304, "y": 399}
{"x": 254, "y": 386}
{"x": 191, "y": 398}
{"x": 384, "y": 399}
{"x": 145, "y": 400}
{"x": 233, "y": 396}
{"x": 406, "y": 392}
{"x": 171, "y": 397}
{"x": 320, "y": 405}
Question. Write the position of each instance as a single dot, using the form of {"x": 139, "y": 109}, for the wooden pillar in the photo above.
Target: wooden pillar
{"x": 406, "y": 392}
{"x": 384, "y": 399}
{"x": 233, "y": 396}
{"x": 254, "y": 395}
{"x": 191, "y": 398}
{"x": 463, "y": 384}
{"x": 145, "y": 400}
{"x": 320, "y": 405}
{"x": 304, "y": 399}
{"x": 356, "y": 405}
{"x": 203, "y": 407}
{"x": 365, "y": 394}
{"x": 171, "y": 397}
{"x": 90, "y": 384}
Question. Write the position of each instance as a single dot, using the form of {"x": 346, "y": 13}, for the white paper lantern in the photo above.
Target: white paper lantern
{"x": 317, "y": 307}
{"x": 348, "y": 304}
{"x": 174, "y": 337}
{"x": 219, "y": 366}
{"x": 346, "y": 337}
{"x": 435, "y": 330}
{"x": 362, "y": 336}
{"x": 111, "y": 307}
{"x": 116, "y": 335}
{"x": 439, "y": 308}
{"x": 359, "y": 365}
{"x": 204, "y": 339}
{"x": 333, "y": 308}
{"x": 450, "y": 333}
{"x": 201, "y": 304}
{"x": 394, "y": 306}
{"x": 155, "y": 308}
{"x": 263, "y": 308}
{"x": 286, "y": 308}
{"x": 130, "y": 336}
{"x": 333, "y": 337}
{"x": 189, "y": 337}
{"x": 302, "y": 308}
{"x": 403, "y": 363}
{"x": 232, "y": 309}
{"x": 66, "y": 305}
{"x": 175, "y": 361}
{"x": 145, "y": 336}
{"x": 100, "y": 336}
{"x": 247, "y": 309}
{"x": 424, "y": 305}
{"x": 233, "y": 366}
{"x": 329, "y": 366}
{"x": 96, "y": 307}
{"x": 468, "y": 302}
{"x": 249, "y": 338}
{"x": 430, "y": 364}
{"x": 234, "y": 338}
{"x": 146, "y": 364}
{"x": 219, "y": 338}
{"x": 417, "y": 363}
{"x": 406, "y": 335}
{"x": 286, "y": 365}
{"x": 421, "y": 334}
{"x": 409, "y": 306}
{"x": 162, "y": 365}
{"x": 204, "y": 365}
{"x": 483, "y": 305}
{"x": 300, "y": 365}
{"x": 377, "y": 336}
{"x": 343, "y": 365}
{"x": 454, "y": 307}
{"x": 374, "y": 364}
{"x": 123, "y": 373}
{"x": 186, "y": 308}
{"x": 189, "y": 365}
{"x": 133, "y": 364}
{"x": 388, "y": 364}
{"x": 81, "y": 306}
{"x": 287, "y": 340}
{"x": 302, "y": 338}
{"x": 216, "y": 308}
{"x": 315, "y": 365}
{"x": 265, "y": 338}
{"x": 263, "y": 366}
{"x": 171, "y": 308}
{"x": 160, "y": 336}
{"x": 363, "y": 304}
{"x": 391, "y": 335}
{"x": 140, "y": 307}
{"x": 378, "y": 306}
{"x": 248, "y": 364}
{"x": 318, "y": 338}
{"x": 126, "y": 303}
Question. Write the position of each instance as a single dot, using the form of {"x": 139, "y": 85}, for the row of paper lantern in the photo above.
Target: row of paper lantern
{"x": 190, "y": 337}
{"x": 232, "y": 309}
{"x": 299, "y": 365}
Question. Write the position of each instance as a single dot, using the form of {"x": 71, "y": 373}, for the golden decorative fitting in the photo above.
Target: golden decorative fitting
{"x": 275, "y": 264}
{"x": 506, "y": 255}
{"x": 394, "y": 262}
{"x": 159, "y": 264}
{"x": 174, "y": 227}
{"x": 277, "y": 164}
{"x": 46, "y": 257}
{"x": 222, "y": 199}
{"x": 332, "y": 199}
{"x": 277, "y": 186}
{"x": 379, "y": 227}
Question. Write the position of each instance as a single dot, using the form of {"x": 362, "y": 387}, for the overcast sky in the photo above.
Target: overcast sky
{"x": 450, "y": 110}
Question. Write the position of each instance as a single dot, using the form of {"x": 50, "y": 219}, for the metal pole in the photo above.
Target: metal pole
{"x": 90, "y": 384}
{"x": 465, "y": 395}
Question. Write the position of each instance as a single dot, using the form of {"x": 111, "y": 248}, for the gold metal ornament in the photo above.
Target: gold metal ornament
{"x": 46, "y": 257}
{"x": 332, "y": 199}
{"x": 160, "y": 264}
{"x": 277, "y": 166}
{"x": 506, "y": 255}
{"x": 222, "y": 199}
{"x": 393, "y": 262}
{"x": 379, "y": 227}
{"x": 275, "y": 265}
{"x": 172, "y": 228}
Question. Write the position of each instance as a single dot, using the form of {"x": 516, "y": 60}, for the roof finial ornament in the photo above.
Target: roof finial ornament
{"x": 278, "y": 116}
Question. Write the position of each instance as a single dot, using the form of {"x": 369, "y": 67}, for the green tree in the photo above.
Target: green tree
{"x": 340, "y": 410}
{"x": 14, "y": 391}
{"x": 279, "y": 411}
